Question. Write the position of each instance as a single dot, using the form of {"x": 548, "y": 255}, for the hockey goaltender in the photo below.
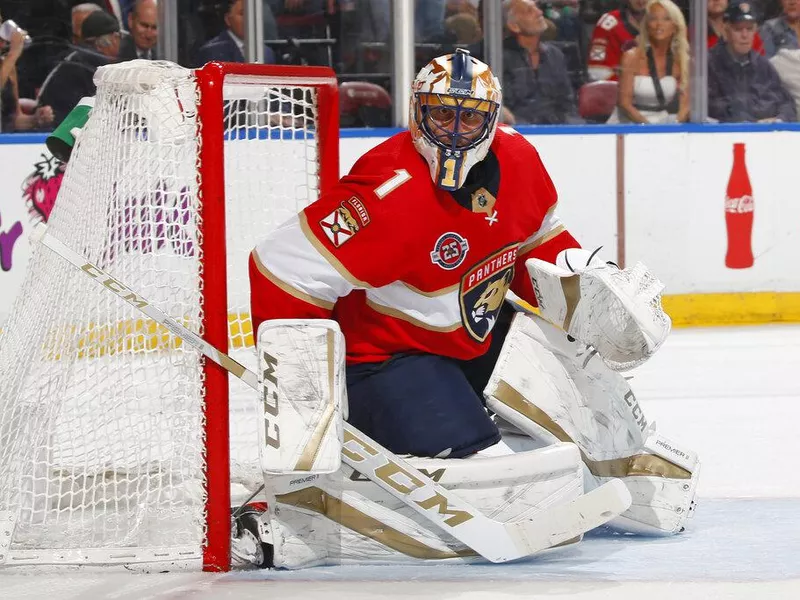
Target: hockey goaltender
{"x": 518, "y": 418}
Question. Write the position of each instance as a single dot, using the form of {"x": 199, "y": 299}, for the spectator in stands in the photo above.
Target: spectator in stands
{"x": 79, "y": 14}
{"x": 784, "y": 30}
{"x": 654, "y": 81}
{"x": 72, "y": 79}
{"x": 614, "y": 34}
{"x": 742, "y": 84}
{"x": 716, "y": 25}
{"x": 143, "y": 28}
{"x": 12, "y": 118}
{"x": 228, "y": 46}
{"x": 781, "y": 34}
{"x": 463, "y": 28}
{"x": 536, "y": 85}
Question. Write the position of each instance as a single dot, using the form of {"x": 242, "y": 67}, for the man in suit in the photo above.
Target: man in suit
{"x": 228, "y": 46}
{"x": 143, "y": 28}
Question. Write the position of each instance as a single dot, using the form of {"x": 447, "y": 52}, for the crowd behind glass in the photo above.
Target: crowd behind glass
{"x": 563, "y": 61}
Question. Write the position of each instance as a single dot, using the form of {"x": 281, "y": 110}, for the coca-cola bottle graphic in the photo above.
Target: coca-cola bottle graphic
{"x": 739, "y": 213}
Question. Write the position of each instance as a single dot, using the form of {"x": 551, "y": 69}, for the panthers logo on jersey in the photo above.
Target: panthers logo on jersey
{"x": 483, "y": 289}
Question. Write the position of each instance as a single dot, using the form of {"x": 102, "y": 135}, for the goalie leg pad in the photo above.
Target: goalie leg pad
{"x": 662, "y": 502}
{"x": 560, "y": 391}
{"x": 344, "y": 518}
{"x": 302, "y": 381}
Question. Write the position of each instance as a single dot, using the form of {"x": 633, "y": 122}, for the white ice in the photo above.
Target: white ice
{"x": 732, "y": 394}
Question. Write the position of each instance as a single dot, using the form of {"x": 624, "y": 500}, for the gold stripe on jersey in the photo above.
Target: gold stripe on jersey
{"x": 536, "y": 242}
{"x": 398, "y": 314}
{"x": 441, "y": 292}
{"x": 292, "y": 291}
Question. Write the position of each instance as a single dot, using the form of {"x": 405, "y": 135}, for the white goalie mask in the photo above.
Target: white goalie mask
{"x": 455, "y": 101}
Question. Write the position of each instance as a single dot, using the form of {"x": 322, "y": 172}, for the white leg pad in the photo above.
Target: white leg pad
{"x": 344, "y": 518}
{"x": 303, "y": 391}
{"x": 556, "y": 390}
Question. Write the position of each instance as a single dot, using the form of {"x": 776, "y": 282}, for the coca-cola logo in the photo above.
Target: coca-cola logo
{"x": 743, "y": 204}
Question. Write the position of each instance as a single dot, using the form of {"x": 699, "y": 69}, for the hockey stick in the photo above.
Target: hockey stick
{"x": 494, "y": 540}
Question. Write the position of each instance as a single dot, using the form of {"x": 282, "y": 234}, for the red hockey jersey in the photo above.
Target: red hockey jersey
{"x": 612, "y": 36}
{"x": 401, "y": 264}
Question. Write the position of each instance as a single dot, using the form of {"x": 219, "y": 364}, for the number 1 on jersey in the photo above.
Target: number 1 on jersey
{"x": 392, "y": 183}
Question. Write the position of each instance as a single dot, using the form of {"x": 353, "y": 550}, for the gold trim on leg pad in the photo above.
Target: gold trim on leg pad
{"x": 631, "y": 466}
{"x": 319, "y": 501}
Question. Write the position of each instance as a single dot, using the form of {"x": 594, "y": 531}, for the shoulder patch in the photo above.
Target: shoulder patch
{"x": 341, "y": 224}
{"x": 358, "y": 208}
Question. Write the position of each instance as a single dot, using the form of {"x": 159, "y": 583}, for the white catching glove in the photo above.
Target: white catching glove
{"x": 618, "y": 312}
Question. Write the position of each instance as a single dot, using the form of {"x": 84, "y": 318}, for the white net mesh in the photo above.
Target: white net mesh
{"x": 101, "y": 411}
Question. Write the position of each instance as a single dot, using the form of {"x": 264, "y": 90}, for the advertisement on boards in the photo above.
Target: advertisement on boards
{"x": 28, "y": 189}
{"x": 714, "y": 213}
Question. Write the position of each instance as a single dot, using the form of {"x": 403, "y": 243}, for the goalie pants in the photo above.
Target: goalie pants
{"x": 426, "y": 405}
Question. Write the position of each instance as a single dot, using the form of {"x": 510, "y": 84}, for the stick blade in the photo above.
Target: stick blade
{"x": 564, "y": 522}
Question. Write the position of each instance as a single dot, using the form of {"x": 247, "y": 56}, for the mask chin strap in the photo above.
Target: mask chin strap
{"x": 450, "y": 168}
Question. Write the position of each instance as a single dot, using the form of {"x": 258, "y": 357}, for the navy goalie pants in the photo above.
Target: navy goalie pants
{"x": 425, "y": 405}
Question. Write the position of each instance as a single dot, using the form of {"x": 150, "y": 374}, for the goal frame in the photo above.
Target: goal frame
{"x": 211, "y": 172}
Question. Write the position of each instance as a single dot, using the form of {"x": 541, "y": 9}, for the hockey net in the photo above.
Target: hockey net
{"x": 114, "y": 444}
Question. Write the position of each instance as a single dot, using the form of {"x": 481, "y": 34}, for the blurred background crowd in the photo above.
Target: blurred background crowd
{"x": 563, "y": 61}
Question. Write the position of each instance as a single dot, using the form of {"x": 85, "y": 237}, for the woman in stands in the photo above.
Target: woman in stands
{"x": 654, "y": 78}
{"x": 12, "y": 43}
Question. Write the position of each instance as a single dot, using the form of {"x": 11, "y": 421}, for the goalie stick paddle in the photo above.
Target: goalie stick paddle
{"x": 494, "y": 540}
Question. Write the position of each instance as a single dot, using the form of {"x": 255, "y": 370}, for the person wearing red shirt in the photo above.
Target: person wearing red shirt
{"x": 614, "y": 34}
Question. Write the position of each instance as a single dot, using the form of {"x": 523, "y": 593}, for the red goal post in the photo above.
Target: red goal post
{"x": 211, "y": 79}
{"x": 118, "y": 443}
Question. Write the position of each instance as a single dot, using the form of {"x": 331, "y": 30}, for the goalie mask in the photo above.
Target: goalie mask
{"x": 455, "y": 100}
